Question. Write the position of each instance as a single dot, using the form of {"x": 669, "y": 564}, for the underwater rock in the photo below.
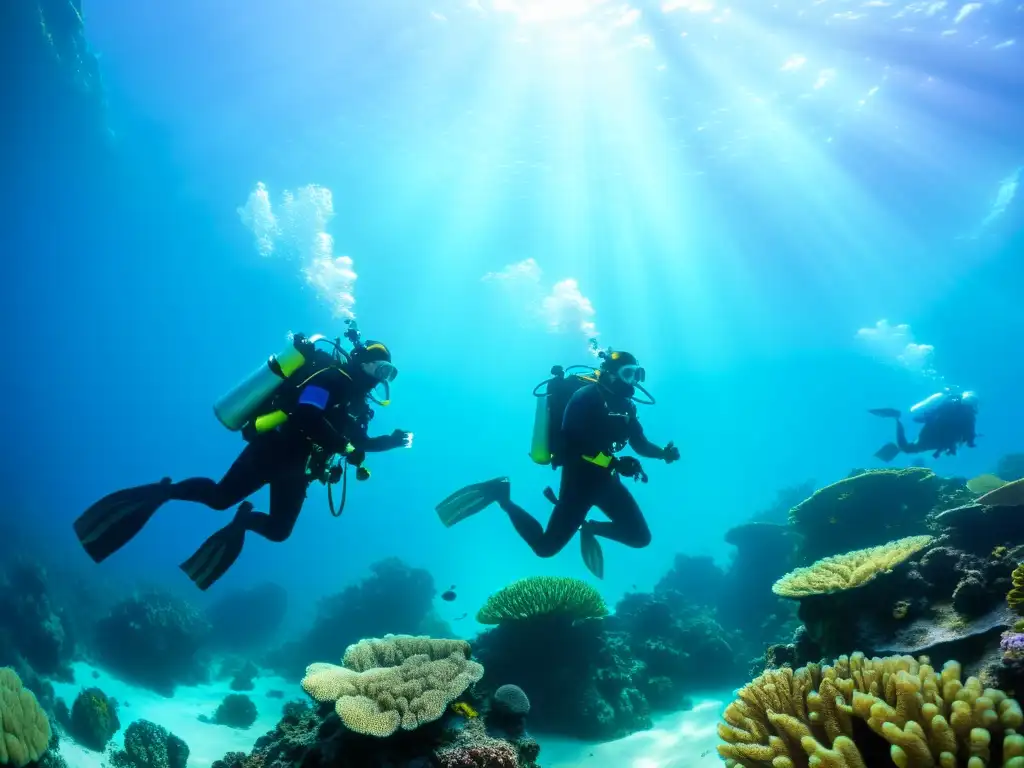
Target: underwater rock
{"x": 236, "y": 711}
{"x": 936, "y": 634}
{"x": 33, "y": 629}
{"x": 577, "y": 674}
{"x": 247, "y": 619}
{"x": 155, "y": 640}
{"x": 393, "y": 599}
{"x": 866, "y": 509}
{"x": 695, "y": 576}
{"x": 148, "y": 745}
{"x": 980, "y": 529}
{"x": 242, "y": 673}
{"x": 93, "y": 719}
{"x": 1010, "y": 467}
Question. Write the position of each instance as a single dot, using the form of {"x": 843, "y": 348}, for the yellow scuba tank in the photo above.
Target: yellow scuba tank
{"x": 540, "y": 446}
{"x": 239, "y": 404}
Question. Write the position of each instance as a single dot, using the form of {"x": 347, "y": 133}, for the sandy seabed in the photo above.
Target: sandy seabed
{"x": 684, "y": 739}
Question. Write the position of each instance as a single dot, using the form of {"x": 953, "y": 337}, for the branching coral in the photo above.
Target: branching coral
{"x": 920, "y": 718}
{"x": 850, "y": 570}
{"x": 396, "y": 682}
{"x": 863, "y": 713}
{"x": 542, "y": 595}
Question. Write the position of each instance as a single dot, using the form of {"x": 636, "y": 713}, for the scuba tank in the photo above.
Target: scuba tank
{"x": 930, "y": 404}
{"x": 545, "y": 447}
{"x": 238, "y": 405}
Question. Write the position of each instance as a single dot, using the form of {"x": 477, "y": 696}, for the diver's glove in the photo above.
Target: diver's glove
{"x": 629, "y": 466}
{"x": 399, "y": 439}
{"x": 670, "y": 453}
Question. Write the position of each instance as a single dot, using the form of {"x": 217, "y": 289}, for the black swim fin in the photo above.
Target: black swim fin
{"x": 219, "y": 552}
{"x": 467, "y": 501}
{"x": 885, "y": 413}
{"x": 590, "y": 548}
{"x": 887, "y": 452}
{"x": 117, "y": 518}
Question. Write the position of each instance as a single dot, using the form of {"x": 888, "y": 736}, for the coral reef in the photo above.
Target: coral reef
{"x": 33, "y": 630}
{"x": 864, "y": 712}
{"x": 318, "y": 737}
{"x": 148, "y": 745}
{"x": 864, "y": 510}
{"x": 93, "y": 721}
{"x": 153, "y": 639}
{"x": 394, "y": 682}
{"x": 848, "y": 570}
{"x": 540, "y": 596}
{"x": 24, "y": 728}
{"x": 235, "y": 711}
{"x": 247, "y": 620}
{"x": 394, "y": 598}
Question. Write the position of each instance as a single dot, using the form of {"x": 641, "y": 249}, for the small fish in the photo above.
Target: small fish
{"x": 705, "y": 753}
{"x": 460, "y": 618}
{"x": 449, "y": 595}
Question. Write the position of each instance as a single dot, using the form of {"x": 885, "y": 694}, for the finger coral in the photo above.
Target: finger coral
{"x": 869, "y": 713}
{"x": 849, "y": 570}
{"x": 543, "y": 595}
{"x": 394, "y": 682}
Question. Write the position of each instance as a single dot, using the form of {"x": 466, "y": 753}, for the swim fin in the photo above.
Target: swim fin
{"x": 887, "y": 452}
{"x": 118, "y": 517}
{"x": 219, "y": 552}
{"x": 885, "y": 413}
{"x": 590, "y": 548}
{"x": 467, "y": 501}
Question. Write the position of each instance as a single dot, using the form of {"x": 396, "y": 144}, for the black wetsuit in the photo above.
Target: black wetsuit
{"x": 951, "y": 423}
{"x": 596, "y": 421}
{"x": 328, "y": 412}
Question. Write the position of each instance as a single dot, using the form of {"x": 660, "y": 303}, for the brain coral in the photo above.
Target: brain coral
{"x": 24, "y": 727}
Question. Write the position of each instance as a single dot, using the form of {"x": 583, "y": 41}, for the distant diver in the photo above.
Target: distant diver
{"x": 947, "y": 419}
{"x": 582, "y": 421}
{"x": 305, "y": 415}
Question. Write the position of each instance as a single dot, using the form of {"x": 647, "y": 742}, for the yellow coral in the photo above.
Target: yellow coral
{"x": 850, "y": 570}
{"x": 543, "y": 595}
{"x": 915, "y": 717}
{"x": 24, "y": 727}
{"x": 1015, "y": 597}
{"x": 385, "y": 684}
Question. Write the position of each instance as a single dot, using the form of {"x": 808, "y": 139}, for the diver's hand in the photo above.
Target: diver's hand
{"x": 629, "y": 466}
{"x": 400, "y": 439}
{"x": 670, "y": 453}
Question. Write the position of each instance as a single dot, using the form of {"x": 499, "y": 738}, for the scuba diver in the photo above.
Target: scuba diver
{"x": 300, "y": 413}
{"x": 947, "y": 419}
{"x": 582, "y": 421}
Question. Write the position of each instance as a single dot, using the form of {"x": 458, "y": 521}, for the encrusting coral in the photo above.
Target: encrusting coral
{"x": 868, "y": 713}
{"x": 850, "y": 570}
{"x": 24, "y": 727}
{"x": 543, "y": 595}
{"x": 394, "y": 682}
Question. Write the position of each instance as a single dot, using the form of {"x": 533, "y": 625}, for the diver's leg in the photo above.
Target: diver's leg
{"x": 250, "y": 472}
{"x": 901, "y": 440}
{"x": 287, "y": 494}
{"x": 627, "y": 524}
{"x": 566, "y": 518}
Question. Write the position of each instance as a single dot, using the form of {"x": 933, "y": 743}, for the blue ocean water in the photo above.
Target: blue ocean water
{"x": 790, "y": 213}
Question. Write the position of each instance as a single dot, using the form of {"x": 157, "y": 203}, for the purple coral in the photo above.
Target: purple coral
{"x": 1013, "y": 644}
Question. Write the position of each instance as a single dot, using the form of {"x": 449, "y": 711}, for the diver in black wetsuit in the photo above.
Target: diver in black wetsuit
{"x": 600, "y": 419}
{"x": 292, "y": 439}
{"x": 948, "y": 421}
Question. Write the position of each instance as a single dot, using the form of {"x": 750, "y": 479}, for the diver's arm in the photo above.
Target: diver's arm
{"x": 397, "y": 439}
{"x": 638, "y": 442}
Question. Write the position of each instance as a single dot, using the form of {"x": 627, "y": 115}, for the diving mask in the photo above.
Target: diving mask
{"x": 383, "y": 371}
{"x": 632, "y": 374}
